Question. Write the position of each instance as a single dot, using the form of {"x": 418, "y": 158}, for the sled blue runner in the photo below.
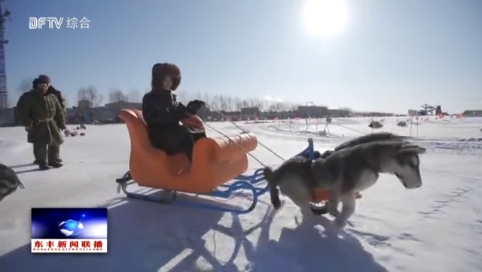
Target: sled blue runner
{"x": 254, "y": 183}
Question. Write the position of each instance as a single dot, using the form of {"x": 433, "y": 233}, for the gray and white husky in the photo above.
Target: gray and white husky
{"x": 9, "y": 181}
{"x": 346, "y": 171}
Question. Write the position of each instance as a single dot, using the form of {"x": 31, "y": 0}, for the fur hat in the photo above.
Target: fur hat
{"x": 161, "y": 70}
{"x": 35, "y": 82}
{"x": 44, "y": 79}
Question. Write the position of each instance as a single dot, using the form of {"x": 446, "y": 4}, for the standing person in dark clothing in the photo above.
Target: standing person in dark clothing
{"x": 52, "y": 90}
{"x": 58, "y": 94}
{"x": 163, "y": 112}
{"x": 35, "y": 83}
{"x": 43, "y": 119}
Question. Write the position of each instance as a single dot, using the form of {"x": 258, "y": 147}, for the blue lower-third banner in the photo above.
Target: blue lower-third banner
{"x": 69, "y": 230}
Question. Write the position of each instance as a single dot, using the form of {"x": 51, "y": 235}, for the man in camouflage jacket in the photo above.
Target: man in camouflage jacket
{"x": 43, "y": 119}
{"x": 58, "y": 94}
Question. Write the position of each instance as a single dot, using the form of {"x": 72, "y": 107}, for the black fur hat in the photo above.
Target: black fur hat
{"x": 44, "y": 79}
{"x": 161, "y": 70}
{"x": 35, "y": 82}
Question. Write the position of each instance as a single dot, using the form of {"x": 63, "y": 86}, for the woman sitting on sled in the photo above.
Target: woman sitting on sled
{"x": 163, "y": 112}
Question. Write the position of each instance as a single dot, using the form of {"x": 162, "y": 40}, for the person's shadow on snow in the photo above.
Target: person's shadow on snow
{"x": 306, "y": 248}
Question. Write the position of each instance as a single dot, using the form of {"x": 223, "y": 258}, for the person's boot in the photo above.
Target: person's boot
{"x": 35, "y": 162}
{"x": 55, "y": 164}
{"x": 43, "y": 166}
{"x": 59, "y": 160}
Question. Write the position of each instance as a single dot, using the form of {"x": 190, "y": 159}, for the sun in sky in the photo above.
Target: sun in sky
{"x": 325, "y": 18}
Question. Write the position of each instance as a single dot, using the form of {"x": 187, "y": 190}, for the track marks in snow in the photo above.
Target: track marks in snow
{"x": 372, "y": 239}
{"x": 454, "y": 147}
{"x": 445, "y": 200}
{"x": 378, "y": 240}
{"x": 448, "y": 202}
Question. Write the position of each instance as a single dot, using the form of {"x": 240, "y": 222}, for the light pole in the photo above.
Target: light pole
{"x": 4, "y": 17}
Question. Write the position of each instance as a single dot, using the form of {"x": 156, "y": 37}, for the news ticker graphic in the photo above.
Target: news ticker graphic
{"x": 69, "y": 230}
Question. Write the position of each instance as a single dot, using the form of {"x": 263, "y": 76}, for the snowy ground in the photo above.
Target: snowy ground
{"x": 436, "y": 228}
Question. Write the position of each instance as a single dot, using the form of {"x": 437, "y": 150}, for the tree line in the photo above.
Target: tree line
{"x": 219, "y": 102}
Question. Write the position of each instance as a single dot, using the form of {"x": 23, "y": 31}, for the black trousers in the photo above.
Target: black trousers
{"x": 175, "y": 140}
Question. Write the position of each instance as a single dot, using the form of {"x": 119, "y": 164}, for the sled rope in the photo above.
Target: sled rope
{"x": 251, "y": 155}
{"x": 240, "y": 128}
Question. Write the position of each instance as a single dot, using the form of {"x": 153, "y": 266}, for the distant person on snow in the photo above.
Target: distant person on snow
{"x": 43, "y": 119}
{"x": 163, "y": 112}
{"x": 58, "y": 94}
{"x": 35, "y": 82}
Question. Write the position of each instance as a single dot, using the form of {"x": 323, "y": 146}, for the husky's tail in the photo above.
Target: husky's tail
{"x": 273, "y": 187}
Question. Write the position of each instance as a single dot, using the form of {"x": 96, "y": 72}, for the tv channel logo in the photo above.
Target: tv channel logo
{"x": 69, "y": 230}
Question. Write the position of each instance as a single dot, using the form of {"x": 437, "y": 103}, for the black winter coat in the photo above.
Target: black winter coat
{"x": 58, "y": 94}
{"x": 162, "y": 112}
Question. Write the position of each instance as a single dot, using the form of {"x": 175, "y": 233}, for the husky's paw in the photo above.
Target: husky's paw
{"x": 279, "y": 206}
{"x": 331, "y": 230}
{"x": 339, "y": 223}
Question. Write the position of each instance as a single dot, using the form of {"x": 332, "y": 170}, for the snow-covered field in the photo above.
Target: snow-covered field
{"x": 436, "y": 228}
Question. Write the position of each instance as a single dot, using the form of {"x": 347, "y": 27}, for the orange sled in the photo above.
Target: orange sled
{"x": 215, "y": 162}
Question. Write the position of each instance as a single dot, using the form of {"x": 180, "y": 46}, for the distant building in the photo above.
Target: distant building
{"x": 84, "y": 104}
{"x": 339, "y": 112}
{"x": 250, "y": 113}
{"x": 412, "y": 112}
{"x": 79, "y": 115}
{"x": 250, "y": 110}
{"x": 312, "y": 111}
{"x": 105, "y": 115}
{"x": 472, "y": 113}
{"x": 123, "y": 105}
{"x": 8, "y": 117}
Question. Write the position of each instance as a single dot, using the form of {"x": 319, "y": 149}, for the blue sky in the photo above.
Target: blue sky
{"x": 393, "y": 55}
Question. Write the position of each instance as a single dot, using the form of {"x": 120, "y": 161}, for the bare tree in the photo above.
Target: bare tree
{"x": 238, "y": 104}
{"x": 91, "y": 95}
{"x": 208, "y": 99}
{"x": 215, "y": 102}
{"x": 425, "y": 107}
{"x": 82, "y": 94}
{"x": 116, "y": 95}
{"x": 230, "y": 103}
{"x": 224, "y": 103}
{"x": 197, "y": 95}
{"x": 135, "y": 96}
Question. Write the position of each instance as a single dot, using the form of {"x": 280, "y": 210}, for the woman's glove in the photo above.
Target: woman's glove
{"x": 195, "y": 105}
